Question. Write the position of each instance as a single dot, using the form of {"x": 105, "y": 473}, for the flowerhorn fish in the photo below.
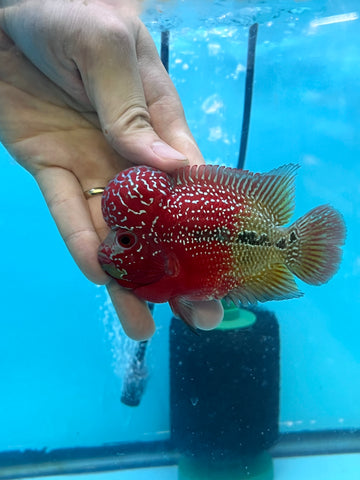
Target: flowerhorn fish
{"x": 208, "y": 232}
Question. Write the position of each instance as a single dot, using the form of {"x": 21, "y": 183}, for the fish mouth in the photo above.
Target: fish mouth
{"x": 104, "y": 259}
{"x": 109, "y": 267}
{"x": 114, "y": 272}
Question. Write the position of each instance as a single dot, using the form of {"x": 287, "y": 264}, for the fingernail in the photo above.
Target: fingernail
{"x": 165, "y": 151}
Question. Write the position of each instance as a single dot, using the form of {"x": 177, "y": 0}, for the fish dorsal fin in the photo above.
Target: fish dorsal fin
{"x": 274, "y": 283}
{"x": 274, "y": 190}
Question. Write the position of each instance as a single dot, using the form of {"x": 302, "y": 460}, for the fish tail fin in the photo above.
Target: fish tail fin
{"x": 313, "y": 252}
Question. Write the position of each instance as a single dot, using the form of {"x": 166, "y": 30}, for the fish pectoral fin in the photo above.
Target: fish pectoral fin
{"x": 145, "y": 277}
{"x": 184, "y": 309}
{"x": 161, "y": 266}
{"x": 274, "y": 283}
{"x": 172, "y": 265}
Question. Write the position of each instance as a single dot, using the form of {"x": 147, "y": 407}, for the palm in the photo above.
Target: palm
{"x": 57, "y": 139}
{"x": 43, "y": 127}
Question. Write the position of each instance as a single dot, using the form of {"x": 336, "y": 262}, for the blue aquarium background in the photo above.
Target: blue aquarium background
{"x": 63, "y": 353}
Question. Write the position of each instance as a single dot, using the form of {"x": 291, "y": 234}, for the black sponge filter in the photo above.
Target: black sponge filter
{"x": 224, "y": 389}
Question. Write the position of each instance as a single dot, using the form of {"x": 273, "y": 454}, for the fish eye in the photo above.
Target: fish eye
{"x": 126, "y": 239}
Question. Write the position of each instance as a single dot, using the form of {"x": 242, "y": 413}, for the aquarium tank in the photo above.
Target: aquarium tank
{"x": 274, "y": 391}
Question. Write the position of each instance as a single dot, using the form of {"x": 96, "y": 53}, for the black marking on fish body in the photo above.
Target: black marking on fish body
{"x": 293, "y": 237}
{"x": 252, "y": 238}
{"x": 221, "y": 234}
{"x": 285, "y": 242}
{"x": 281, "y": 243}
{"x": 264, "y": 240}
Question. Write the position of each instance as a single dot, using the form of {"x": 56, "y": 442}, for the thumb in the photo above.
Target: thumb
{"x": 111, "y": 77}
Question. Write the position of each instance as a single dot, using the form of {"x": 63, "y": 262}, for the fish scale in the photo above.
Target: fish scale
{"x": 227, "y": 211}
{"x": 207, "y": 232}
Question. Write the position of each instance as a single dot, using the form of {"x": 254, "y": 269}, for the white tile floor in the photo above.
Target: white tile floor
{"x": 334, "y": 467}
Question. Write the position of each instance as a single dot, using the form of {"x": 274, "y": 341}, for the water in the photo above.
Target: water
{"x": 63, "y": 357}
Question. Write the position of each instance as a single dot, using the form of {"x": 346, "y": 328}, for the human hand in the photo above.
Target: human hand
{"x": 98, "y": 101}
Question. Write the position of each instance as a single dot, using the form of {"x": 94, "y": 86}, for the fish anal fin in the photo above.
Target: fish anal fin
{"x": 274, "y": 283}
{"x": 272, "y": 191}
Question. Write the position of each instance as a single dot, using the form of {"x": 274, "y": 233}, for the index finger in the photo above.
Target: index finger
{"x": 72, "y": 216}
{"x": 81, "y": 230}
{"x": 133, "y": 313}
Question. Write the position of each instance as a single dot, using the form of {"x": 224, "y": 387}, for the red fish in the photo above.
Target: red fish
{"x": 208, "y": 232}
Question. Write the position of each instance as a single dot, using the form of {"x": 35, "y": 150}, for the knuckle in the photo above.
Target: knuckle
{"x": 113, "y": 31}
{"x": 131, "y": 118}
{"x": 168, "y": 108}
{"x": 105, "y": 32}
